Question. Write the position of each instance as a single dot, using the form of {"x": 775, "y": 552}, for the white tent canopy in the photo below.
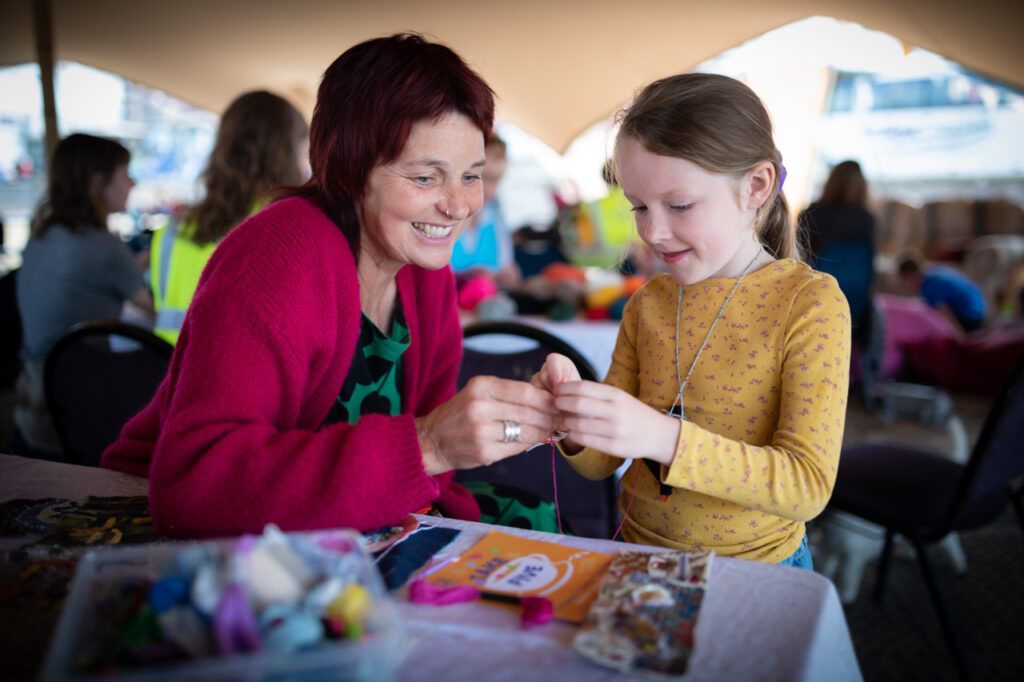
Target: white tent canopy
{"x": 557, "y": 67}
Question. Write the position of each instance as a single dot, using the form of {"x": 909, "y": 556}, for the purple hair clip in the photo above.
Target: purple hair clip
{"x": 782, "y": 177}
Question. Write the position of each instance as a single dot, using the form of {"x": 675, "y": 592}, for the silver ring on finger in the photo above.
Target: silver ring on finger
{"x": 512, "y": 431}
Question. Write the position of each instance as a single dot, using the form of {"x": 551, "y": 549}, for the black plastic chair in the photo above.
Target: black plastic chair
{"x": 10, "y": 331}
{"x": 588, "y": 506}
{"x": 98, "y": 376}
{"x": 924, "y": 497}
{"x": 10, "y": 356}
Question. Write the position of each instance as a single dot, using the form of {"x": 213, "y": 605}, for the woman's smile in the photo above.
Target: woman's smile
{"x": 433, "y": 232}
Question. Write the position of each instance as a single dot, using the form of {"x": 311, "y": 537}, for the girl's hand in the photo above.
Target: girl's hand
{"x": 557, "y": 369}
{"x": 468, "y": 430}
{"x": 610, "y": 420}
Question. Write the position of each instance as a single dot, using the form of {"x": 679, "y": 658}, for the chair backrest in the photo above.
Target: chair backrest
{"x": 513, "y": 350}
{"x": 10, "y": 331}
{"x": 998, "y": 454}
{"x": 98, "y": 376}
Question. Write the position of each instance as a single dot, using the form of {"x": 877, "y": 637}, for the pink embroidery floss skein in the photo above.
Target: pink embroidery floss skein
{"x": 535, "y": 610}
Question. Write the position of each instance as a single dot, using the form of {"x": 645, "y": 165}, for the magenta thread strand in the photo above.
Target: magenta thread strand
{"x": 554, "y": 484}
{"x": 630, "y": 504}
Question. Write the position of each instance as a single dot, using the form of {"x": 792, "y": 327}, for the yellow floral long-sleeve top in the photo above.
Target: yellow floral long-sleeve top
{"x": 765, "y": 407}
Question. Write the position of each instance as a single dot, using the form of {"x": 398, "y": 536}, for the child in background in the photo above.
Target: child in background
{"x": 728, "y": 383}
{"x": 956, "y": 296}
{"x": 485, "y": 245}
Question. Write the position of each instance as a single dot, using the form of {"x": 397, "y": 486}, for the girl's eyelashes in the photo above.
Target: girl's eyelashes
{"x": 674, "y": 207}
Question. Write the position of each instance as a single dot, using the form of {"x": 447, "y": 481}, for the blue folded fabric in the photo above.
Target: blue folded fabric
{"x": 401, "y": 560}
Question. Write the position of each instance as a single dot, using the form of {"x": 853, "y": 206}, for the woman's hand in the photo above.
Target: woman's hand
{"x": 610, "y": 420}
{"x": 468, "y": 430}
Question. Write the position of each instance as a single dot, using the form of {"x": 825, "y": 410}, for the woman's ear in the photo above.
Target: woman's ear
{"x": 760, "y": 182}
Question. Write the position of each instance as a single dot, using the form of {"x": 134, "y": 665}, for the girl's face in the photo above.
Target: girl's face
{"x": 114, "y": 194}
{"x": 416, "y": 205}
{"x": 700, "y": 224}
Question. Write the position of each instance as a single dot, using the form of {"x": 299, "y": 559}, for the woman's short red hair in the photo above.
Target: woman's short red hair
{"x": 368, "y": 101}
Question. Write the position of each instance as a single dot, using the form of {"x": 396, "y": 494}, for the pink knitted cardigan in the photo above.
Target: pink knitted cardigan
{"x": 230, "y": 441}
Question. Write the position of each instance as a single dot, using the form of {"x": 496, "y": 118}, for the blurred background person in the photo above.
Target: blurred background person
{"x": 485, "y": 245}
{"x": 955, "y": 295}
{"x": 839, "y": 233}
{"x": 262, "y": 142}
{"x": 73, "y": 269}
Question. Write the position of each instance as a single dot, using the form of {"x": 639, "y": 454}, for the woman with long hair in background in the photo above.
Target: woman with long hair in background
{"x": 73, "y": 269}
{"x": 262, "y": 143}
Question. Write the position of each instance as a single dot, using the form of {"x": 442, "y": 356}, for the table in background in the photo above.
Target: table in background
{"x": 757, "y": 622}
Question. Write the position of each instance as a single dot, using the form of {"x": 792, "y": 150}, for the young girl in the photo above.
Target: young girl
{"x": 729, "y": 379}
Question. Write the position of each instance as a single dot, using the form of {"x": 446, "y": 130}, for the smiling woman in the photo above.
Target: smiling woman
{"x": 313, "y": 384}
{"x": 416, "y": 206}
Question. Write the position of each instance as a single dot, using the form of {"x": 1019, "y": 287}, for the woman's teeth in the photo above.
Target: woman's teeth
{"x": 434, "y": 231}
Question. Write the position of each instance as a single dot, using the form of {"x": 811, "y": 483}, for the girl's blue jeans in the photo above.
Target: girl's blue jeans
{"x": 801, "y": 558}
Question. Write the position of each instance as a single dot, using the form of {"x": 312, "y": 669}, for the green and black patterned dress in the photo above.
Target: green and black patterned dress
{"x": 374, "y": 386}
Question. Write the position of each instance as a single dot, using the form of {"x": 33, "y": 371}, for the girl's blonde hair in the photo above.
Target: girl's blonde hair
{"x": 721, "y": 125}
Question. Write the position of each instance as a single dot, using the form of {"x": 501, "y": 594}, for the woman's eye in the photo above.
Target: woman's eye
{"x": 638, "y": 209}
{"x": 423, "y": 179}
{"x": 681, "y": 207}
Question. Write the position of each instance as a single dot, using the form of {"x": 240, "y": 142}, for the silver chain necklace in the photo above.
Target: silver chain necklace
{"x": 678, "y": 404}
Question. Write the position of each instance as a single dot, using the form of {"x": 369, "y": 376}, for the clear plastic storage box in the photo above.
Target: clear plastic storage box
{"x": 373, "y": 656}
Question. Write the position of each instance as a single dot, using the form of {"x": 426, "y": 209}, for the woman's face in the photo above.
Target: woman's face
{"x": 700, "y": 224}
{"x": 114, "y": 193}
{"x": 416, "y": 206}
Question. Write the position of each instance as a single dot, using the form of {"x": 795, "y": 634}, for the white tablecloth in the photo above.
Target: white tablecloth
{"x": 757, "y": 622}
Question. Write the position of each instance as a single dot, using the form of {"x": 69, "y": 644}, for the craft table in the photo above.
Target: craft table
{"x": 757, "y": 622}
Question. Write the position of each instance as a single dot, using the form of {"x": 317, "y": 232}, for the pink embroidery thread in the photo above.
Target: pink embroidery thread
{"x": 554, "y": 484}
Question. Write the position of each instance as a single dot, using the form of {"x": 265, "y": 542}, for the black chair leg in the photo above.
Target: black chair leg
{"x": 883, "y": 566}
{"x": 951, "y": 634}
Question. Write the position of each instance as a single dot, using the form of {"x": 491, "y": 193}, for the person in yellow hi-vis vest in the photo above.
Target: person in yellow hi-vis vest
{"x": 604, "y": 228}
{"x": 262, "y": 142}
